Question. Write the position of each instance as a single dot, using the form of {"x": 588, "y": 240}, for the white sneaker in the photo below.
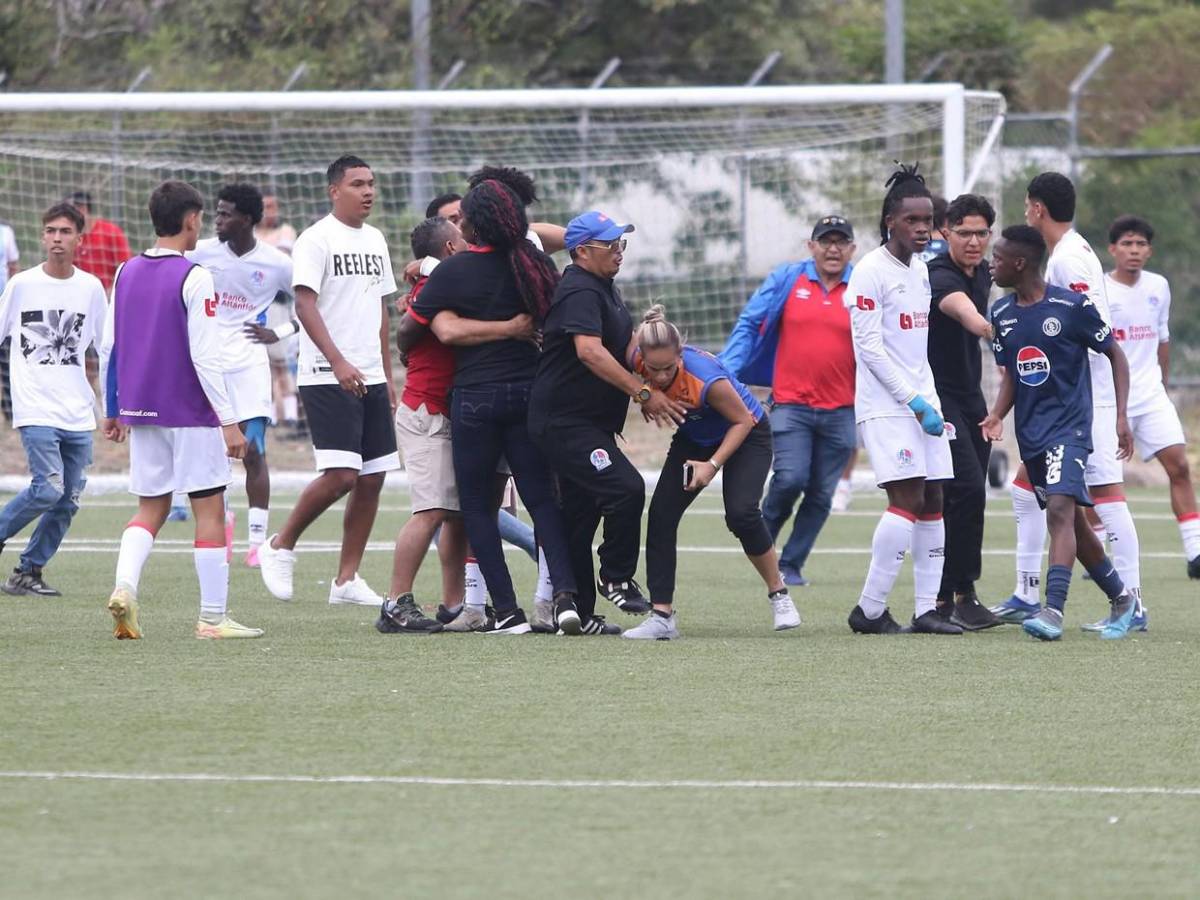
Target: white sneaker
{"x": 841, "y": 497}
{"x": 655, "y": 628}
{"x": 276, "y": 567}
{"x": 543, "y": 617}
{"x": 355, "y": 591}
{"x": 786, "y": 615}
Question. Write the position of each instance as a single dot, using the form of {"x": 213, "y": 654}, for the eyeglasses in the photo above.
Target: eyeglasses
{"x": 840, "y": 242}
{"x": 615, "y": 246}
{"x": 967, "y": 235}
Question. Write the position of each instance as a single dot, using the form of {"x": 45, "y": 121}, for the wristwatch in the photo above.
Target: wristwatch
{"x": 642, "y": 395}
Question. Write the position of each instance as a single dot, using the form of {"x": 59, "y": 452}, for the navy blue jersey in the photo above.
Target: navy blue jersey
{"x": 1045, "y": 347}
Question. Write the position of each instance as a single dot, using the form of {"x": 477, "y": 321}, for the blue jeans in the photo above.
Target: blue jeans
{"x": 517, "y": 533}
{"x": 488, "y": 421}
{"x": 57, "y": 460}
{"x": 812, "y": 446}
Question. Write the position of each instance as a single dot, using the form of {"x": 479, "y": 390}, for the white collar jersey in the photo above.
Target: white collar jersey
{"x": 1073, "y": 265}
{"x": 1139, "y": 321}
{"x": 245, "y": 288}
{"x": 350, "y": 269}
{"x": 889, "y": 323}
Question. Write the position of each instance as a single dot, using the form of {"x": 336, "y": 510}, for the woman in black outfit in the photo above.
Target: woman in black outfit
{"x": 500, "y": 275}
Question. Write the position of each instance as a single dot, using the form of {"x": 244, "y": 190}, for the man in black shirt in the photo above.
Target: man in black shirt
{"x": 960, "y": 281}
{"x": 580, "y": 398}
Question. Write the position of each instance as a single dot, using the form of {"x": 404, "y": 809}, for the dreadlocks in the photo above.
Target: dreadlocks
{"x": 903, "y": 183}
{"x": 497, "y": 217}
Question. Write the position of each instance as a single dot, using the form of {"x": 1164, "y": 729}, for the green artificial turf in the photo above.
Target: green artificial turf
{"x": 323, "y": 694}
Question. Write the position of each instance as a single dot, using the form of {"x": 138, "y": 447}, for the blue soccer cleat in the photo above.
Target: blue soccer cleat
{"x": 177, "y": 514}
{"x": 1120, "y": 619}
{"x": 1045, "y": 626}
{"x": 1140, "y": 622}
{"x": 1016, "y": 610}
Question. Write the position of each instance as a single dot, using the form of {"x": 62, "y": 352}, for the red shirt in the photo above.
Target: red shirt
{"x": 430, "y": 370}
{"x": 814, "y": 363}
{"x": 102, "y": 250}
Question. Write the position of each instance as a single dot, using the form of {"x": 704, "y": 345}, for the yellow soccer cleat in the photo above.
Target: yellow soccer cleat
{"x": 226, "y": 628}
{"x": 124, "y": 608}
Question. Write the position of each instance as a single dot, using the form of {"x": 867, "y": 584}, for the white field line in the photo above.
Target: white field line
{"x": 618, "y": 784}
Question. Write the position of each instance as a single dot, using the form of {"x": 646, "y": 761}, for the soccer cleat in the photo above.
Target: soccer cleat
{"x": 225, "y": 629}
{"x": 1140, "y": 622}
{"x": 543, "y": 617}
{"x": 178, "y": 514}
{"x": 403, "y": 616}
{"x": 252, "y": 557}
{"x": 1193, "y": 567}
{"x": 1045, "y": 626}
{"x": 885, "y": 624}
{"x": 513, "y": 623}
{"x": 123, "y": 606}
{"x": 470, "y": 618}
{"x": 655, "y": 628}
{"x": 792, "y": 577}
{"x": 625, "y": 596}
{"x": 22, "y": 583}
{"x": 785, "y": 611}
{"x": 445, "y": 616}
{"x": 1120, "y": 617}
{"x": 276, "y": 568}
{"x": 230, "y": 527}
{"x": 355, "y": 592}
{"x": 1015, "y": 610}
{"x": 566, "y": 616}
{"x": 596, "y": 625}
{"x": 930, "y": 622}
{"x": 971, "y": 615}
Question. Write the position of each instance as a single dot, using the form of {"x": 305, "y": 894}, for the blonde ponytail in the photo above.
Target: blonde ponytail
{"x": 657, "y": 332}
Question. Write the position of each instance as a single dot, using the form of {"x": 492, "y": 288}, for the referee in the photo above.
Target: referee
{"x": 580, "y": 398}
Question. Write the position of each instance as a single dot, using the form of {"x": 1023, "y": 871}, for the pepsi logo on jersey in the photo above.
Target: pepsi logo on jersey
{"x": 1033, "y": 366}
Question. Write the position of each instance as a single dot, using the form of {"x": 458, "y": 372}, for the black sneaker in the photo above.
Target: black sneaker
{"x": 944, "y": 608}
{"x": 21, "y": 584}
{"x": 513, "y": 622}
{"x": 971, "y": 615}
{"x": 885, "y": 624}
{"x": 596, "y": 625}
{"x": 931, "y": 623}
{"x": 625, "y": 596}
{"x": 1193, "y": 566}
{"x": 566, "y": 616}
{"x": 444, "y": 615}
{"x": 403, "y": 616}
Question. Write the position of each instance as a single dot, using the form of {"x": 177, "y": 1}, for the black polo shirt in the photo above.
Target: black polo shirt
{"x": 566, "y": 389}
{"x": 954, "y": 353}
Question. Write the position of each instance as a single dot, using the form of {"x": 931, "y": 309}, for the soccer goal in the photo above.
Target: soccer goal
{"x": 722, "y": 183}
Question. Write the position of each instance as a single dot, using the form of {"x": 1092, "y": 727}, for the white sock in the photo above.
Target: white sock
{"x": 545, "y": 588}
{"x": 1031, "y": 538}
{"x": 257, "y": 519}
{"x": 136, "y": 544}
{"x": 476, "y": 587}
{"x": 843, "y": 484}
{"x": 291, "y": 408}
{"x": 213, "y": 574}
{"x": 179, "y": 498}
{"x": 929, "y": 555}
{"x": 1189, "y": 530}
{"x": 893, "y": 538}
{"x": 1101, "y": 534}
{"x": 1123, "y": 541}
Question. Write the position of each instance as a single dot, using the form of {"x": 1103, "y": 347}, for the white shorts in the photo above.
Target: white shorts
{"x": 1156, "y": 429}
{"x": 900, "y": 449}
{"x": 424, "y": 441}
{"x": 250, "y": 392}
{"x": 165, "y": 460}
{"x": 1103, "y": 466}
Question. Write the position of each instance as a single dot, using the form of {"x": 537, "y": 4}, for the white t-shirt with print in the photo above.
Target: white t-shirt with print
{"x": 246, "y": 287}
{"x": 350, "y": 270}
{"x": 1139, "y": 321}
{"x": 51, "y": 322}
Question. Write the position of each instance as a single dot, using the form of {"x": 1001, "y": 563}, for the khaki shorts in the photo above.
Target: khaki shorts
{"x": 424, "y": 440}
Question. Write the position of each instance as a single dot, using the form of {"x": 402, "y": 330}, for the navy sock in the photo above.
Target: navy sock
{"x": 1106, "y": 578}
{"x": 661, "y": 614}
{"x": 1058, "y": 582}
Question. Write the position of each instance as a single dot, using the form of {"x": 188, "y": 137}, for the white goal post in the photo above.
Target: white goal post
{"x": 723, "y": 183}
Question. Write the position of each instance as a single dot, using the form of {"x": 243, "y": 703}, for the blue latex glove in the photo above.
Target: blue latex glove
{"x": 930, "y": 418}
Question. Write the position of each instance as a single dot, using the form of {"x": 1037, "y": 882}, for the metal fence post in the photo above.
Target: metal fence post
{"x": 1074, "y": 93}
{"x": 585, "y": 119}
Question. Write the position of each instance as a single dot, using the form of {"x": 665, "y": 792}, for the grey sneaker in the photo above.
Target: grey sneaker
{"x": 471, "y": 618}
{"x": 655, "y": 628}
{"x": 543, "y": 617}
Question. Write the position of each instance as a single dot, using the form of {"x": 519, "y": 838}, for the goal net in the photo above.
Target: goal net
{"x": 722, "y": 184}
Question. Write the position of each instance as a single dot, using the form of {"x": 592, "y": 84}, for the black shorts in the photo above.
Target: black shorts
{"x": 351, "y": 432}
{"x": 1059, "y": 470}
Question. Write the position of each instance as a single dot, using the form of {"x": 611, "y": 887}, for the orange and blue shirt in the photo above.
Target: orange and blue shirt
{"x": 697, "y": 373}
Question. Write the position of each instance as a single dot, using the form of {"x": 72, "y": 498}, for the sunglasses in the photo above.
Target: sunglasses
{"x": 840, "y": 242}
{"x": 615, "y": 246}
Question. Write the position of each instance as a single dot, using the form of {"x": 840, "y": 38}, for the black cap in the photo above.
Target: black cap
{"x": 828, "y": 224}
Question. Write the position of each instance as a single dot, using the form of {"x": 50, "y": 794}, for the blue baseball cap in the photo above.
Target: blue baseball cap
{"x": 593, "y": 226}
